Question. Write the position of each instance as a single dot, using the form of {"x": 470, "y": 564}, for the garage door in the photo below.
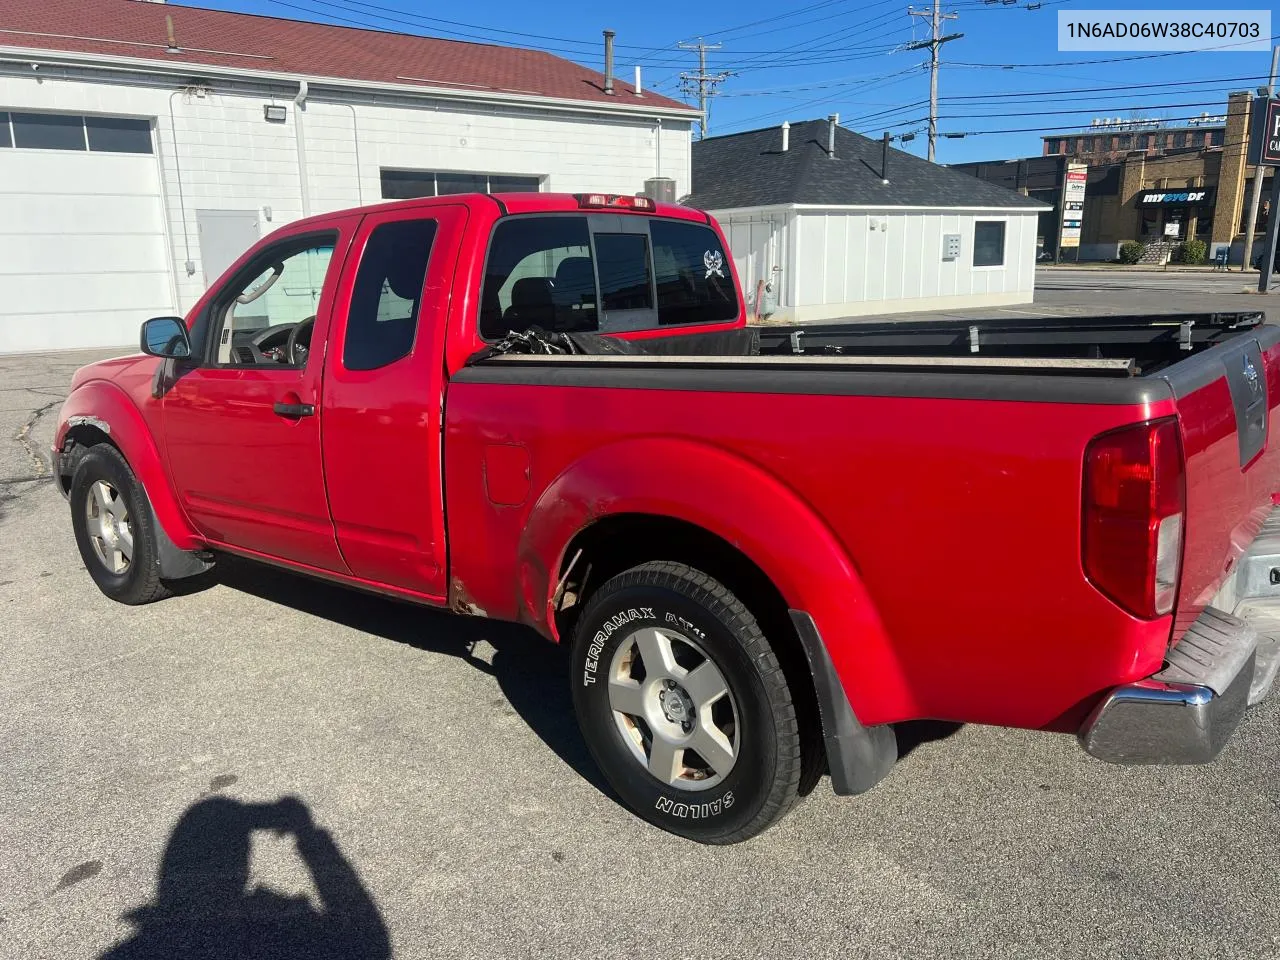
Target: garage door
{"x": 83, "y": 258}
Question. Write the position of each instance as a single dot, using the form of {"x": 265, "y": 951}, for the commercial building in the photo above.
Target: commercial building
{"x": 1168, "y": 185}
{"x": 1107, "y": 140}
{"x": 823, "y": 223}
{"x": 144, "y": 146}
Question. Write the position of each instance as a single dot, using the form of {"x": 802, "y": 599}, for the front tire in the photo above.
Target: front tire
{"x": 684, "y": 706}
{"x": 114, "y": 528}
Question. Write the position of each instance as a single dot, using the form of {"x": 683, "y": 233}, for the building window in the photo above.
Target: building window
{"x": 61, "y": 131}
{"x": 1217, "y": 138}
{"x": 48, "y": 131}
{"x": 383, "y": 319}
{"x": 118, "y": 134}
{"x": 408, "y": 184}
{"x": 988, "y": 243}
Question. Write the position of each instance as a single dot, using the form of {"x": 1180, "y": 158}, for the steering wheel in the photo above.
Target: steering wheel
{"x": 296, "y": 349}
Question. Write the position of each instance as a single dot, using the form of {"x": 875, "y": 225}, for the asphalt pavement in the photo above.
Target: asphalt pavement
{"x": 443, "y": 804}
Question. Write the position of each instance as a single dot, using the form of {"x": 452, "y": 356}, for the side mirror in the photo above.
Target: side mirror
{"x": 166, "y": 337}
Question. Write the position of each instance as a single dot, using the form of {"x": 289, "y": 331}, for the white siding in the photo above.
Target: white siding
{"x": 851, "y": 262}
{"x": 217, "y": 152}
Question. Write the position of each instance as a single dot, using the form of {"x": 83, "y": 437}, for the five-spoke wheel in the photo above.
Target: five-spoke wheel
{"x": 684, "y": 705}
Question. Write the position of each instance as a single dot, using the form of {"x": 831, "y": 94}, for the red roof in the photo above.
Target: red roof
{"x": 135, "y": 29}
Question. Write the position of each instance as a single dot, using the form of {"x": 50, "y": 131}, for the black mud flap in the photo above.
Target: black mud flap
{"x": 858, "y": 757}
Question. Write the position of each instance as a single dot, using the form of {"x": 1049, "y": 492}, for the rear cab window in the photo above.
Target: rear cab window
{"x": 603, "y": 273}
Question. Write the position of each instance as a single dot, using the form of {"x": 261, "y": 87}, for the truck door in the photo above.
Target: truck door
{"x": 383, "y": 398}
{"x": 242, "y": 431}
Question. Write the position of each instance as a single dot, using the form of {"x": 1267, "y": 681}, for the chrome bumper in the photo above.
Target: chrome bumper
{"x": 1187, "y": 711}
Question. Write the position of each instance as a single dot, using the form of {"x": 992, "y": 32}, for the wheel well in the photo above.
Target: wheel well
{"x": 80, "y": 438}
{"x": 618, "y": 543}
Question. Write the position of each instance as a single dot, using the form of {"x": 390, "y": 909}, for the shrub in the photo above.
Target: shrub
{"x": 1192, "y": 251}
{"x": 1130, "y": 251}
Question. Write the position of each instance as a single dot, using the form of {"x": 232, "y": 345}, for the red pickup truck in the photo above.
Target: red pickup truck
{"x": 765, "y": 546}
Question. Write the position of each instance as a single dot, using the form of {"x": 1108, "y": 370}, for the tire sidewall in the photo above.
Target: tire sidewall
{"x": 699, "y": 814}
{"x": 103, "y": 463}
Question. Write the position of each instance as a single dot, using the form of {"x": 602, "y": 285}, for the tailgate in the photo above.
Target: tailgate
{"x": 1227, "y": 401}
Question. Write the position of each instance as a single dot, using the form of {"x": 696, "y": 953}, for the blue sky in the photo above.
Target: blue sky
{"x": 1001, "y": 82}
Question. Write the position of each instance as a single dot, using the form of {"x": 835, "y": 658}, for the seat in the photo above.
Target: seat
{"x": 532, "y": 305}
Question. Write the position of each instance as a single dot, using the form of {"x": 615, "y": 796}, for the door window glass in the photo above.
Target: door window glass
{"x": 383, "y": 321}
{"x": 281, "y": 292}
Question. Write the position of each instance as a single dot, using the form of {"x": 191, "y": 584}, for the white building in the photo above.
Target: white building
{"x": 820, "y": 226}
{"x": 143, "y": 146}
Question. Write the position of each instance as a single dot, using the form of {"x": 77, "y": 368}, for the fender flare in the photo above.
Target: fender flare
{"x": 744, "y": 505}
{"x": 103, "y": 404}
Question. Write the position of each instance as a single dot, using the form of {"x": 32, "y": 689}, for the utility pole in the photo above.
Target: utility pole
{"x": 1255, "y": 199}
{"x": 936, "y": 18}
{"x": 702, "y": 84}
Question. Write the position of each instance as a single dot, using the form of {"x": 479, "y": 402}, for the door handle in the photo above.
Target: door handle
{"x": 295, "y": 410}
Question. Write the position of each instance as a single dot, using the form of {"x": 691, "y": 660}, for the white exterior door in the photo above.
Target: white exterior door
{"x": 83, "y": 254}
{"x": 751, "y": 244}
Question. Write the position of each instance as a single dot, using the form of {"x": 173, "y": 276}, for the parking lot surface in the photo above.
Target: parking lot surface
{"x": 273, "y": 767}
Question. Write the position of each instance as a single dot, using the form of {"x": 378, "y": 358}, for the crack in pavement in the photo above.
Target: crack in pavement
{"x": 23, "y": 436}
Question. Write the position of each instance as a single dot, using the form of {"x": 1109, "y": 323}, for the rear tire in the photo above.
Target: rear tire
{"x": 684, "y": 706}
{"x": 114, "y": 528}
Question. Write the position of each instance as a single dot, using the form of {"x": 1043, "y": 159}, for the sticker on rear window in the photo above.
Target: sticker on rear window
{"x": 713, "y": 260}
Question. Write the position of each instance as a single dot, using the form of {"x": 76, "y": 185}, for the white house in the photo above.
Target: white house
{"x": 821, "y": 225}
{"x": 144, "y": 146}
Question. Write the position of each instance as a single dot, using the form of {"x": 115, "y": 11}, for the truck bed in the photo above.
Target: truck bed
{"x": 1152, "y": 342}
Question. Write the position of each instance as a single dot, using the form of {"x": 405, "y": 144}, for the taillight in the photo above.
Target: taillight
{"x": 1133, "y": 516}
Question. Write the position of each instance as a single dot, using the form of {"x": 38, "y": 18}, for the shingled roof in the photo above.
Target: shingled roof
{"x": 293, "y": 48}
{"x": 752, "y": 170}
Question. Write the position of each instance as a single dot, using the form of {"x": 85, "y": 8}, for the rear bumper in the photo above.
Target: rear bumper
{"x": 1187, "y": 711}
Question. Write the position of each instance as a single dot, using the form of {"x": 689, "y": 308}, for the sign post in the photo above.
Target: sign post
{"x": 1072, "y": 207}
{"x": 1264, "y": 150}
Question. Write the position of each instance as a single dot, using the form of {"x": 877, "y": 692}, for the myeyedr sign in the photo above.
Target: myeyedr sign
{"x": 1264, "y": 138}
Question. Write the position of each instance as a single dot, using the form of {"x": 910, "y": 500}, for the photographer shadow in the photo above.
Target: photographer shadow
{"x": 204, "y": 908}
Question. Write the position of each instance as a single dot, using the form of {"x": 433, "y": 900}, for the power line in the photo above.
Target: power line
{"x": 1019, "y": 94}
{"x": 1045, "y": 113}
{"x": 1071, "y": 129}
{"x": 879, "y": 83}
{"x": 1136, "y": 56}
{"x": 773, "y": 20}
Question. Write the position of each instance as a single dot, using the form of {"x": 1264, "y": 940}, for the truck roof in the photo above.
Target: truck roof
{"x": 520, "y": 203}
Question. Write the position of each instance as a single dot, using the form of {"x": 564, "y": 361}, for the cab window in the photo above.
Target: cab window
{"x": 539, "y": 274}
{"x": 694, "y": 277}
{"x": 383, "y": 321}
{"x": 560, "y": 274}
